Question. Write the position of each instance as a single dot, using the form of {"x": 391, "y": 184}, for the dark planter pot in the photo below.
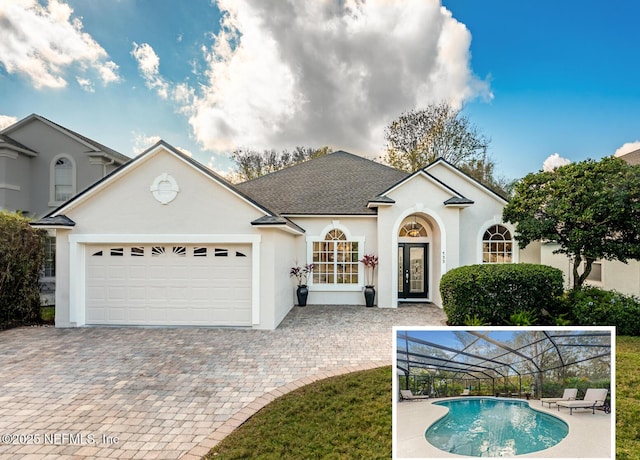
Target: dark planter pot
{"x": 302, "y": 292}
{"x": 369, "y": 295}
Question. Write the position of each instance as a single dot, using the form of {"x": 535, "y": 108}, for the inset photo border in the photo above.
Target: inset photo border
{"x": 526, "y": 392}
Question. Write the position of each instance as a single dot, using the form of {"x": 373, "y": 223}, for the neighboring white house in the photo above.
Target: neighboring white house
{"x": 165, "y": 241}
{"x": 605, "y": 274}
{"x": 42, "y": 165}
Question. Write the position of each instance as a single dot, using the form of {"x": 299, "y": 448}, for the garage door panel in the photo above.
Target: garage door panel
{"x": 161, "y": 284}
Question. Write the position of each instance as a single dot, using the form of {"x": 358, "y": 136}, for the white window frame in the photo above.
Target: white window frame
{"x": 52, "y": 178}
{"x": 592, "y": 281}
{"x": 350, "y": 239}
{"x": 513, "y": 251}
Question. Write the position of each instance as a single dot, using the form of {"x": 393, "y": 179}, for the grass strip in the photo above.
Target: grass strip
{"x": 344, "y": 417}
{"x": 627, "y": 398}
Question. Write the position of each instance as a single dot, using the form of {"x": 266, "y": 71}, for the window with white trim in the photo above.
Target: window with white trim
{"x": 595, "y": 275}
{"x": 497, "y": 245}
{"x": 335, "y": 259}
{"x": 62, "y": 179}
{"x": 49, "y": 266}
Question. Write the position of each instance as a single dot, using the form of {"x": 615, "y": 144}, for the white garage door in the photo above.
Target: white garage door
{"x": 169, "y": 284}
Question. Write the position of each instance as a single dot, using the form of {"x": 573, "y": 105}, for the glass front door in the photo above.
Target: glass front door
{"x": 412, "y": 270}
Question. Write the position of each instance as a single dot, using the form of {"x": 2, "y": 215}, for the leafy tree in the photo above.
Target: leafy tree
{"x": 21, "y": 260}
{"x": 251, "y": 164}
{"x": 419, "y": 137}
{"x": 483, "y": 170}
{"x": 591, "y": 209}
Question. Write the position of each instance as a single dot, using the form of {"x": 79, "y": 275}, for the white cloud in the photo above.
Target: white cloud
{"x": 142, "y": 142}
{"x": 86, "y": 84}
{"x": 43, "y": 43}
{"x": 334, "y": 72}
{"x": 149, "y": 66}
{"x": 554, "y": 161}
{"x": 7, "y": 120}
{"x": 627, "y": 148}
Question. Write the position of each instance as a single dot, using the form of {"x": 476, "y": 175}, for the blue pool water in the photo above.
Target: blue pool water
{"x": 490, "y": 427}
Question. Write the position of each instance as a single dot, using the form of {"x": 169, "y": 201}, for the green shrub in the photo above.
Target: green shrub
{"x": 21, "y": 259}
{"x": 592, "y": 306}
{"x": 494, "y": 293}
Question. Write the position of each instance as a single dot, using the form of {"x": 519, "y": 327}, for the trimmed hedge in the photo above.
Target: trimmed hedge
{"x": 21, "y": 259}
{"x": 591, "y": 306}
{"x": 491, "y": 294}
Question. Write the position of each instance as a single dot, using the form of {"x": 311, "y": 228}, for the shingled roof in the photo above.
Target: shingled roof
{"x": 335, "y": 184}
{"x": 95, "y": 147}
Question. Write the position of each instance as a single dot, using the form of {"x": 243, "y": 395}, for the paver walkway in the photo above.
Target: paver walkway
{"x": 173, "y": 392}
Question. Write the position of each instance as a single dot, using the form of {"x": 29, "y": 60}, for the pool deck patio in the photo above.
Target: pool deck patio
{"x": 589, "y": 434}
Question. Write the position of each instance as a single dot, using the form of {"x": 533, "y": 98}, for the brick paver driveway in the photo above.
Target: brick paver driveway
{"x": 171, "y": 393}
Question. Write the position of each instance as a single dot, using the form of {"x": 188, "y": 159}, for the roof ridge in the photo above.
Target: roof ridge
{"x": 306, "y": 162}
{"x": 97, "y": 145}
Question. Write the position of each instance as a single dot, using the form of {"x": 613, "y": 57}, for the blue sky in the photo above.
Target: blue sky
{"x": 538, "y": 78}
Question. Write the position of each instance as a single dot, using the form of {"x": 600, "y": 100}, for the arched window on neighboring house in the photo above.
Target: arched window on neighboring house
{"x": 497, "y": 245}
{"x": 63, "y": 182}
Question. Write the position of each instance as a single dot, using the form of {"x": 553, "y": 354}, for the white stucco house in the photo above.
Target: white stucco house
{"x": 163, "y": 240}
{"x": 611, "y": 275}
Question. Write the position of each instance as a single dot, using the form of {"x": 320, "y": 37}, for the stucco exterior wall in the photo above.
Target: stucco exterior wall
{"x": 200, "y": 207}
{"x": 203, "y": 210}
{"x": 425, "y": 198}
{"x": 358, "y": 228}
{"x": 616, "y": 276}
{"x": 63, "y": 277}
{"x": 50, "y": 143}
{"x": 277, "y": 294}
{"x": 621, "y": 277}
{"x": 530, "y": 254}
{"x": 15, "y": 187}
{"x": 475, "y": 219}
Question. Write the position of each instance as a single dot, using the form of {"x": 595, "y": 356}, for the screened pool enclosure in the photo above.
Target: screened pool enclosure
{"x": 503, "y": 362}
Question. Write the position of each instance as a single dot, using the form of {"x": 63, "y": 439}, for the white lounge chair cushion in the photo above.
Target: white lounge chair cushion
{"x": 592, "y": 397}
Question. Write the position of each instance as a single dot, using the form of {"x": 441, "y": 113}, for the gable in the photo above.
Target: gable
{"x": 125, "y": 200}
{"x": 461, "y": 182}
{"x": 423, "y": 187}
{"x": 41, "y": 135}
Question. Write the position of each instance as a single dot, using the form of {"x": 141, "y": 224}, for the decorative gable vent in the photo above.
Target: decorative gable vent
{"x": 165, "y": 188}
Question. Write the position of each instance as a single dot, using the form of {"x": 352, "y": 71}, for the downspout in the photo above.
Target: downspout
{"x": 104, "y": 166}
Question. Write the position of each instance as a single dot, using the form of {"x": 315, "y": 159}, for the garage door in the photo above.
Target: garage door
{"x": 168, "y": 284}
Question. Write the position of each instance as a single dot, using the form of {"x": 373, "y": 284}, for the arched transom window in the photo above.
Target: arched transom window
{"x": 413, "y": 230}
{"x": 335, "y": 259}
{"x": 497, "y": 245}
{"x": 62, "y": 180}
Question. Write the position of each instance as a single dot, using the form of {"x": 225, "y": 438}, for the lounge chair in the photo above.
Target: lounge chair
{"x": 568, "y": 395}
{"x": 407, "y": 394}
{"x": 465, "y": 392}
{"x": 593, "y": 398}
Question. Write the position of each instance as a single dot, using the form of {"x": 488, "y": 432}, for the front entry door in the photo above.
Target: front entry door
{"x": 412, "y": 271}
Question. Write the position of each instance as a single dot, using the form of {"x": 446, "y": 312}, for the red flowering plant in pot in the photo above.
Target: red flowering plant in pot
{"x": 370, "y": 263}
{"x": 301, "y": 274}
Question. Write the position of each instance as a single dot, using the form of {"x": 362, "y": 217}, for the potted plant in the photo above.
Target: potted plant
{"x": 301, "y": 274}
{"x": 370, "y": 262}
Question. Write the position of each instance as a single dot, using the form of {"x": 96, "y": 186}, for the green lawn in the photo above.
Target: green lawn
{"x": 350, "y": 417}
{"x": 47, "y": 314}
{"x": 628, "y": 398}
{"x": 337, "y": 418}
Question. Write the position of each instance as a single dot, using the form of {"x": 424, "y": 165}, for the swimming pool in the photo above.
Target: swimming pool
{"x": 493, "y": 427}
